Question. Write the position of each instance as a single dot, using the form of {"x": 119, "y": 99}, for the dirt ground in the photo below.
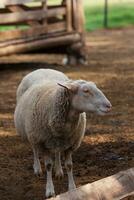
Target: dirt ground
{"x": 108, "y": 146}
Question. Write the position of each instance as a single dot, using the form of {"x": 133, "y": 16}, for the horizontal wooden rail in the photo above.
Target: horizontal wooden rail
{"x": 33, "y": 31}
{"x": 14, "y": 8}
{"x": 13, "y": 2}
{"x": 30, "y": 44}
{"x": 114, "y": 187}
{"x": 18, "y": 17}
{"x": 29, "y": 8}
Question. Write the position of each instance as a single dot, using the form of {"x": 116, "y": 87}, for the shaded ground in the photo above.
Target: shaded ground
{"x": 108, "y": 146}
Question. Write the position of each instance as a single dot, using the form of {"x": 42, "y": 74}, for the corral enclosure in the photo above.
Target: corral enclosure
{"x": 108, "y": 146}
{"x": 41, "y": 25}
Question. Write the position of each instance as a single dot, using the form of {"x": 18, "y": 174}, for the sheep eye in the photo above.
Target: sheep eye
{"x": 86, "y": 91}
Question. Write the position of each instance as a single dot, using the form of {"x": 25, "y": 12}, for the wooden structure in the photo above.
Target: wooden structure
{"x": 39, "y": 26}
{"x": 114, "y": 187}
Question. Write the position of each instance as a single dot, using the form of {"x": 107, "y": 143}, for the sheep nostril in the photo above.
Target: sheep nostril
{"x": 108, "y": 106}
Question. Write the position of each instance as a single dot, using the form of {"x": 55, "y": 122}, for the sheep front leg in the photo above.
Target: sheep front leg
{"x": 69, "y": 168}
{"x": 36, "y": 165}
{"x": 49, "y": 185}
{"x": 58, "y": 167}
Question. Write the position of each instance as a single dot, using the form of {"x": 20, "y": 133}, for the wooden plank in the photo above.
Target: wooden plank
{"x": 44, "y": 7}
{"x": 57, "y": 27}
{"x": 16, "y": 34}
{"x": 75, "y": 15}
{"x": 80, "y": 16}
{"x": 26, "y": 46}
{"x": 114, "y": 187}
{"x": 13, "y": 2}
{"x": 19, "y": 8}
{"x": 33, "y": 37}
{"x": 79, "y": 20}
{"x": 68, "y": 4}
{"x": 24, "y": 7}
{"x": 30, "y": 15}
{"x": 29, "y": 8}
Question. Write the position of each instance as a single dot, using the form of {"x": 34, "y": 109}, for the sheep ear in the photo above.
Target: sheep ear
{"x": 64, "y": 86}
{"x": 70, "y": 87}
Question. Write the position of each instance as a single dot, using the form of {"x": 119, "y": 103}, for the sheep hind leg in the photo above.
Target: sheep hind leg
{"x": 58, "y": 168}
{"x": 36, "y": 165}
{"x": 49, "y": 185}
{"x": 69, "y": 168}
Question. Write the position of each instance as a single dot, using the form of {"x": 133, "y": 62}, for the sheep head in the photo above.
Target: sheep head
{"x": 87, "y": 97}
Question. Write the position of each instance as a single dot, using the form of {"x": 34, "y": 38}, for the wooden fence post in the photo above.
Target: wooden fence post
{"x": 44, "y": 6}
{"x": 68, "y": 17}
{"x": 106, "y": 14}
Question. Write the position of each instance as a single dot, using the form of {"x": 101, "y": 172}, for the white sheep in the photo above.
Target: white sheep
{"x": 38, "y": 76}
{"x": 51, "y": 116}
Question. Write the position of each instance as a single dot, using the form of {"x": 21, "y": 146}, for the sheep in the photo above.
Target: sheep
{"x": 38, "y": 76}
{"x": 51, "y": 115}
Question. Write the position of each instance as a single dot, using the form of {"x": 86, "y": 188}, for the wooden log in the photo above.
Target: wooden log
{"x": 80, "y": 16}
{"x": 29, "y": 8}
{"x": 20, "y": 8}
{"x": 79, "y": 23}
{"x": 34, "y": 31}
{"x": 75, "y": 15}
{"x": 68, "y": 4}
{"x": 114, "y": 187}
{"x": 26, "y": 46}
{"x": 14, "y": 18}
{"x": 44, "y": 7}
{"x": 32, "y": 38}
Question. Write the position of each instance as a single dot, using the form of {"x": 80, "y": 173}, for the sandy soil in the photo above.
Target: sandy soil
{"x": 108, "y": 146}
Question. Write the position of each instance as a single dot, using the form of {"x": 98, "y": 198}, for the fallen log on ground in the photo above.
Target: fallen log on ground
{"x": 114, "y": 187}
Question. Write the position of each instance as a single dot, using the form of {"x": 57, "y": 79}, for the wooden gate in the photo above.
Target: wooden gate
{"x": 40, "y": 25}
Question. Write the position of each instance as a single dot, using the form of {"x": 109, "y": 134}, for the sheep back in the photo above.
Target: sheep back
{"x": 37, "y": 77}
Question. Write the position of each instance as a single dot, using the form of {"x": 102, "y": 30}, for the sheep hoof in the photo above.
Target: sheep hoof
{"x": 59, "y": 175}
{"x": 72, "y": 187}
{"x": 38, "y": 172}
{"x": 50, "y": 194}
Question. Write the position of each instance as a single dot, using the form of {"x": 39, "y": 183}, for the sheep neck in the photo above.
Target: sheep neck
{"x": 65, "y": 116}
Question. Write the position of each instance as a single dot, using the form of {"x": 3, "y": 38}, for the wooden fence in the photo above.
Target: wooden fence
{"x": 42, "y": 26}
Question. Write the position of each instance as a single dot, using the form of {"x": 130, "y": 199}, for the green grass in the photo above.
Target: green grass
{"x": 12, "y": 27}
{"x": 118, "y": 16}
